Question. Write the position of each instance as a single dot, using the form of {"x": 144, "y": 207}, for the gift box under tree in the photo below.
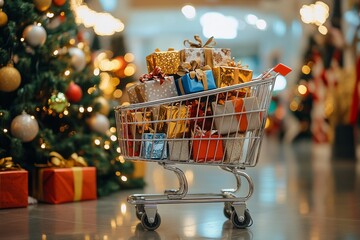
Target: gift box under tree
{"x": 13, "y": 185}
{"x": 63, "y": 184}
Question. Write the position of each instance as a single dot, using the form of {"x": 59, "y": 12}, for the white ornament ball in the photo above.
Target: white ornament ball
{"x": 99, "y": 123}
{"x": 78, "y": 59}
{"x": 54, "y": 22}
{"x": 24, "y": 127}
{"x": 1, "y": 3}
{"x": 34, "y": 35}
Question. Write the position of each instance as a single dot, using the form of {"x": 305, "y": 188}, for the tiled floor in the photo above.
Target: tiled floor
{"x": 300, "y": 193}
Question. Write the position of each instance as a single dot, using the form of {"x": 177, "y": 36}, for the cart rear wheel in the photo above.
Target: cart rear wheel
{"x": 139, "y": 211}
{"x": 150, "y": 226}
{"x": 246, "y": 222}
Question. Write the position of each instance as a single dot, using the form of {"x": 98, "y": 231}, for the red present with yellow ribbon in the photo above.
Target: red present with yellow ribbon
{"x": 205, "y": 53}
{"x": 60, "y": 183}
{"x": 13, "y": 185}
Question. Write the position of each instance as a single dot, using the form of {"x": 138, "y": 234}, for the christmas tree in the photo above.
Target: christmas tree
{"x": 50, "y": 100}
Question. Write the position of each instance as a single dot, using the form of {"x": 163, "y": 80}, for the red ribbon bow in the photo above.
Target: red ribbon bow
{"x": 156, "y": 75}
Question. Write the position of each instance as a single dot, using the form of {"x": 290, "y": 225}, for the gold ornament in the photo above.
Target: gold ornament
{"x": 42, "y": 5}
{"x": 3, "y": 18}
{"x": 10, "y": 78}
{"x": 24, "y": 127}
{"x": 58, "y": 102}
{"x": 104, "y": 105}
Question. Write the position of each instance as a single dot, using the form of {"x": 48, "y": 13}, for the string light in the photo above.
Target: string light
{"x": 89, "y": 109}
{"x": 123, "y": 178}
{"x": 5, "y": 130}
{"x": 81, "y": 109}
{"x": 97, "y": 142}
{"x": 113, "y": 138}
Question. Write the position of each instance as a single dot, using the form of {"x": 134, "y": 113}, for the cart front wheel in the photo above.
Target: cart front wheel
{"x": 150, "y": 226}
{"x": 139, "y": 211}
{"x": 228, "y": 209}
{"x": 246, "y": 222}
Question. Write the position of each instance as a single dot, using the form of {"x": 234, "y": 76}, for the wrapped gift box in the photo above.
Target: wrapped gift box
{"x": 186, "y": 84}
{"x": 153, "y": 146}
{"x": 206, "y": 56}
{"x": 152, "y": 90}
{"x": 60, "y": 185}
{"x": 227, "y": 76}
{"x": 179, "y": 149}
{"x": 233, "y": 145}
{"x": 178, "y": 128}
{"x": 168, "y": 61}
{"x": 243, "y": 115}
{"x": 13, "y": 189}
{"x": 208, "y": 147}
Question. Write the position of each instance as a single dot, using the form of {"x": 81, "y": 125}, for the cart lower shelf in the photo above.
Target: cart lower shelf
{"x": 234, "y": 206}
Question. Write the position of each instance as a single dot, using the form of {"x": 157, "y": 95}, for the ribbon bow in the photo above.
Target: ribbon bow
{"x": 194, "y": 71}
{"x": 232, "y": 63}
{"x": 7, "y": 163}
{"x": 209, "y": 43}
{"x": 57, "y": 160}
{"x": 156, "y": 75}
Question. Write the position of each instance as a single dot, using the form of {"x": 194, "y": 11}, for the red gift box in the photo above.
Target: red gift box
{"x": 209, "y": 147}
{"x": 13, "y": 189}
{"x": 60, "y": 185}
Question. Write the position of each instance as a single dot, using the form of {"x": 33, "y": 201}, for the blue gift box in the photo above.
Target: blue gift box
{"x": 154, "y": 146}
{"x": 192, "y": 85}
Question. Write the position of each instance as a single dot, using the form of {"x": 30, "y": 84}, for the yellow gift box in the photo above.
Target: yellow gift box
{"x": 178, "y": 127}
{"x": 227, "y": 75}
{"x": 168, "y": 61}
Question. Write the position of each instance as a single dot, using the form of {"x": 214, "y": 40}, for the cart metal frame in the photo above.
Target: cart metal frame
{"x": 234, "y": 205}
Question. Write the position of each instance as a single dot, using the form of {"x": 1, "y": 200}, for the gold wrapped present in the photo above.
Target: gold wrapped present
{"x": 141, "y": 122}
{"x": 168, "y": 61}
{"x": 230, "y": 75}
{"x": 178, "y": 128}
{"x": 205, "y": 54}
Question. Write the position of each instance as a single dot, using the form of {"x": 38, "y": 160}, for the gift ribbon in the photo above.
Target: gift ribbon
{"x": 195, "y": 72}
{"x": 198, "y": 44}
{"x": 57, "y": 160}
{"x": 155, "y": 75}
{"x": 7, "y": 163}
{"x": 232, "y": 63}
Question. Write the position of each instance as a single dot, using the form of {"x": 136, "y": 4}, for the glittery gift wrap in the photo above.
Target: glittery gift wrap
{"x": 187, "y": 85}
{"x": 153, "y": 146}
{"x": 168, "y": 61}
{"x": 206, "y": 56}
{"x": 178, "y": 128}
{"x": 233, "y": 145}
{"x": 152, "y": 90}
{"x": 242, "y": 114}
{"x": 179, "y": 149}
{"x": 227, "y": 76}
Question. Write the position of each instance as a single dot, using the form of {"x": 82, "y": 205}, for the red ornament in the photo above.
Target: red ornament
{"x": 59, "y": 2}
{"x": 73, "y": 93}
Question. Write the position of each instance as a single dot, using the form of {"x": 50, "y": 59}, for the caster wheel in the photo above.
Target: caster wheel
{"x": 228, "y": 209}
{"x": 139, "y": 211}
{"x": 247, "y": 222}
{"x": 150, "y": 226}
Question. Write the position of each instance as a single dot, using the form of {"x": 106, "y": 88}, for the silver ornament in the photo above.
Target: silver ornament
{"x": 34, "y": 35}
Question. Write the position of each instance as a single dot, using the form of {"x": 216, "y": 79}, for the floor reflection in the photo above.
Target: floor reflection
{"x": 301, "y": 192}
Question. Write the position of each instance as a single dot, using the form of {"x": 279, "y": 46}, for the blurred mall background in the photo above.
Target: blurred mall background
{"x": 317, "y": 39}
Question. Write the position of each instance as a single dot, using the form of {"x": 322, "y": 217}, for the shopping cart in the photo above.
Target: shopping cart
{"x": 222, "y": 127}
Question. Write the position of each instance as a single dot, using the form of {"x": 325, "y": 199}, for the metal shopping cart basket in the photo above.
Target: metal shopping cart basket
{"x": 222, "y": 127}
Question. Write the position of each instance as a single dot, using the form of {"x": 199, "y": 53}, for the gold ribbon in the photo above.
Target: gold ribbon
{"x": 78, "y": 182}
{"x": 198, "y": 44}
{"x": 7, "y": 163}
{"x": 195, "y": 72}
{"x": 57, "y": 160}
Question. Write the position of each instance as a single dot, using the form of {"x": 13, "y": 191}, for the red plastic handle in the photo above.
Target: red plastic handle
{"x": 282, "y": 69}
